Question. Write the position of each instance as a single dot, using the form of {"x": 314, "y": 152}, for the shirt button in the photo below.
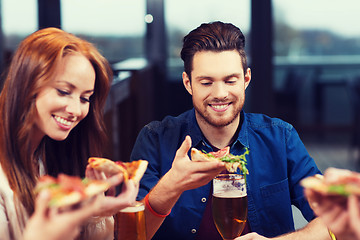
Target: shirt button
{"x": 193, "y": 230}
{"x": 203, "y": 200}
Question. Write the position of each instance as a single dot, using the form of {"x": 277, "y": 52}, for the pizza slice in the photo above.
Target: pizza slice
{"x": 334, "y": 182}
{"x": 132, "y": 170}
{"x": 69, "y": 190}
{"x": 232, "y": 162}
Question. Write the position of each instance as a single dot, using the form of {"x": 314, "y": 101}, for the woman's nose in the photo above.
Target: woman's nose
{"x": 74, "y": 107}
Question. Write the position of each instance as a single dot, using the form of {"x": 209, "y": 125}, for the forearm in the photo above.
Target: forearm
{"x": 315, "y": 230}
{"x": 161, "y": 199}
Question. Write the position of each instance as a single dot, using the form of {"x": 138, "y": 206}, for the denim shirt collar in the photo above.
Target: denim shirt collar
{"x": 194, "y": 130}
{"x": 243, "y": 136}
{"x": 198, "y": 139}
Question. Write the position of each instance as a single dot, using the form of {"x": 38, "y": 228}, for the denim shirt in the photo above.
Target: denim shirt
{"x": 277, "y": 162}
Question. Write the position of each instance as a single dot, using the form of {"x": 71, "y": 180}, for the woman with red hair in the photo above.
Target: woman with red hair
{"x": 51, "y": 122}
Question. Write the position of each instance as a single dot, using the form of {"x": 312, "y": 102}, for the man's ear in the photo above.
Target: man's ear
{"x": 247, "y": 77}
{"x": 187, "y": 82}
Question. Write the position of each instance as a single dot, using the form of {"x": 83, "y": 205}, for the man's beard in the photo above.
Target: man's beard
{"x": 218, "y": 122}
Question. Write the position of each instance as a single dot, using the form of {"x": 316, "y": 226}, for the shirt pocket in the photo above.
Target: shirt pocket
{"x": 277, "y": 207}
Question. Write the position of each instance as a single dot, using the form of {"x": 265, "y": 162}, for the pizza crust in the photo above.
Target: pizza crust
{"x": 138, "y": 173}
{"x": 131, "y": 170}
{"x": 109, "y": 167}
{"x": 317, "y": 183}
{"x": 199, "y": 156}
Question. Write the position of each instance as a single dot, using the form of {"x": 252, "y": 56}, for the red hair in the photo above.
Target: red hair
{"x": 32, "y": 67}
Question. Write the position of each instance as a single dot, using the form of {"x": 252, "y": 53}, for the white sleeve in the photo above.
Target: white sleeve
{"x": 99, "y": 228}
{"x": 4, "y": 222}
{"x": 11, "y": 221}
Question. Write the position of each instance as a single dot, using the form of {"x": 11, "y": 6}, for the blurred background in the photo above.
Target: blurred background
{"x": 304, "y": 55}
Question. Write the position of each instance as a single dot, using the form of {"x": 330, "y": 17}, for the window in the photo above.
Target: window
{"x": 183, "y": 16}
{"x": 17, "y": 22}
{"x": 317, "y": 51}
{"x": 116, "y": 27}
{"x": 316, "y": 28}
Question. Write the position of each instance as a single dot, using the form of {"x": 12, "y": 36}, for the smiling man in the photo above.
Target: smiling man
{"x": 177, "y": 191}
{"x": 218, "y": 91}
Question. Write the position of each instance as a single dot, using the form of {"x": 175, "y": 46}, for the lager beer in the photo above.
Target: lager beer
{"x": 130, "y": 223}
{"x": 229, "y": 215}
{"x": 229, "y": 205}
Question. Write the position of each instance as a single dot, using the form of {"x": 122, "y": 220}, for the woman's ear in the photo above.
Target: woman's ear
{"x": 187, "y": 82}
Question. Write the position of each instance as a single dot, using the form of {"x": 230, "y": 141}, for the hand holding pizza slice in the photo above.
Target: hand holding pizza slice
{"x": 334, "y": 182}
{"x": 131, "y": 170}
{"x": 67, "y": 191}
{"x": 232, "y": 162}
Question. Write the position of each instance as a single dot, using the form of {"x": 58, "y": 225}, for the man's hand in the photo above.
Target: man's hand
{"x": 251, "y": 236}
{"x": 314, "y": 230}
{"x": 183, "y": 175}
{"x": 186, "y": 174}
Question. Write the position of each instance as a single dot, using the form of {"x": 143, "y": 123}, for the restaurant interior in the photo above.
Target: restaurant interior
{"x": 305, "y": 61}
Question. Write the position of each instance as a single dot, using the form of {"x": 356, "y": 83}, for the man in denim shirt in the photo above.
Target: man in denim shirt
{"x": 177, "y": 191}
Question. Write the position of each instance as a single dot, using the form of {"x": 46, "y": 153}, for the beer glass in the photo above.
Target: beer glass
{"x": 130, "y": 223}
{"x": 229, "y": 205}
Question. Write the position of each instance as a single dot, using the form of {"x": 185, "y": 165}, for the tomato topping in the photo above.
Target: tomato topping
{"x": 69, "y": 183}
{"x": 121, "y": 164}
{"x": 221, "y": 153}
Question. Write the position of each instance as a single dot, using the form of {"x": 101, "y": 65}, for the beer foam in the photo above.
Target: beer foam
{"x": 136, "y": 208}
{"x": 232, "y": 194}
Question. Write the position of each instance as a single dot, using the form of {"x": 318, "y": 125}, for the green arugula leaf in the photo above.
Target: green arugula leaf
{"x": 230, "y": 158}
{"x": 339, "y": 189}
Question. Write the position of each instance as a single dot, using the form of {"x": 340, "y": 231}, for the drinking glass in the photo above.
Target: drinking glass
{"x": 130, "y": 223}
{"x": 229, "y": 205}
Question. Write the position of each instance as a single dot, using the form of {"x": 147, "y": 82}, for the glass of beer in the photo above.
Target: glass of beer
{"x": 229, "y": 205}
{"x": 130, "y": 223}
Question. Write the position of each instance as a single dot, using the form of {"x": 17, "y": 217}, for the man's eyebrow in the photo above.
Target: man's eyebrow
{"x": 204, "y": 77}
{"x": 237, "y": 75}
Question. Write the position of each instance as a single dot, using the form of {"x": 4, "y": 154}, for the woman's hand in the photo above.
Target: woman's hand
{"x": 354, "y": 214}
{"x": 51, "y": 224}
{"x": 111, "y": 204}
{"x": 340, "y": 214}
